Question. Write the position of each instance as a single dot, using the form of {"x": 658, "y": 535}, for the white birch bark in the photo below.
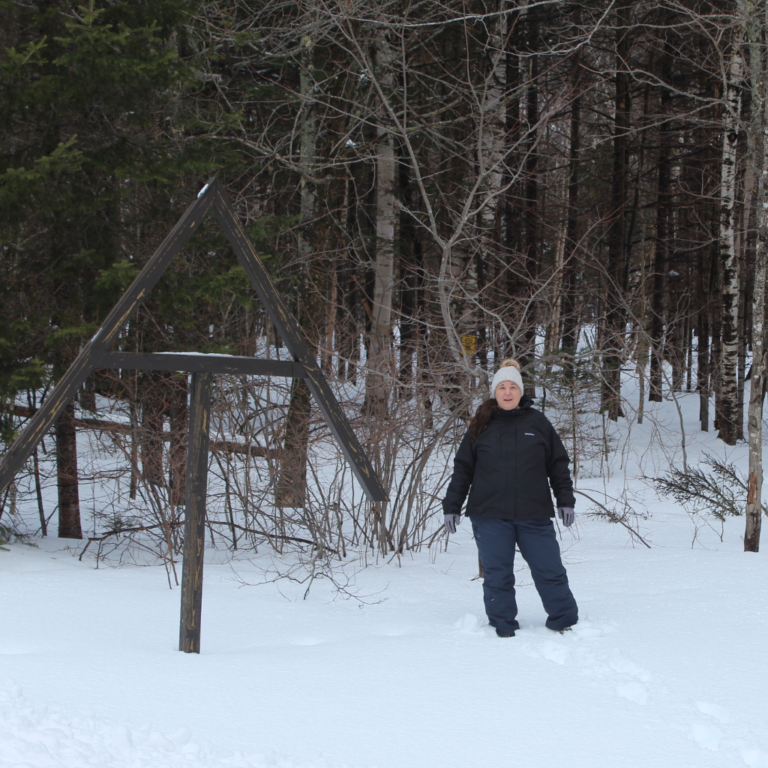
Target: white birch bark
{"x": 380, "y": 339}
{"x": 491, "y": 145}
{"x": 728, "y": 255}
{"x": 491, "y": 129}
{"x": 756, "y": 17}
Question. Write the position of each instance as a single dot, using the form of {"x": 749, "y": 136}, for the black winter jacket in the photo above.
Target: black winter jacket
{"x": 510, "y": 468}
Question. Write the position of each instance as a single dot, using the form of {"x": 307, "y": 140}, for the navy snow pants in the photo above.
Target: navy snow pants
{"x": 537, "y": 541}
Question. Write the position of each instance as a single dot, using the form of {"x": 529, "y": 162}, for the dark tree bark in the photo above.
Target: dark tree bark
{"x": 660, "y": 266}
{"x": 179, "y": 436}
{"x": 292, "y": 484}
{"x": 153, "y": 411}
{"x": 570, "y": 321}
{"x": 66, "y": 471}
{"x": 531, "y": 213}
{"x": 702, "y": 333}
{"x": 615, "y": 288}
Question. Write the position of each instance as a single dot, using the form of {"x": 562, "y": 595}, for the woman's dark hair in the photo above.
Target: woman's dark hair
{"x": 482, "y": 417}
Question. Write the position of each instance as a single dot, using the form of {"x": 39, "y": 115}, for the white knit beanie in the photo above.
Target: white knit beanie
{"x": 509, "y": 371}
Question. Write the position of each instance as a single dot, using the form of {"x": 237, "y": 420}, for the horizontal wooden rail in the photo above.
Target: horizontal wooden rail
{"x": 193, "y": 362}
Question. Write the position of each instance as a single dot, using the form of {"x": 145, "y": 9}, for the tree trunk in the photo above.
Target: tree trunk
{"x": 153, "y": 408}
{"x": 757, "y": 31}
{"x": 490, "y": 153}
{"x": 663, "y": 205}
{"x": 531, "y": 201}
{"x": 380, "y": 338}
{"x": 702, "y": 346}
{"x": 411, "y": 279}
{"x": 727, "y": 417}
{"x": 512, "y": 210}
{"x": 179, "y": 431}
{"x": 66, "y": 471}
{"x": 570, "y": 325}
{"x": 615, "y": 289}
{"x": 292, "y": 481}
{"x": 757, "y": 383}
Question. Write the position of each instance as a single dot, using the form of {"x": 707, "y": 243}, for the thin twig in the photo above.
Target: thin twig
{"x": 614, "y": 518}
{"x": 140, "y": 528}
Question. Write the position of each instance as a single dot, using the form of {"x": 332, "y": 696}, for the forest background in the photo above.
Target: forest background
{"x": 433, "y": 186}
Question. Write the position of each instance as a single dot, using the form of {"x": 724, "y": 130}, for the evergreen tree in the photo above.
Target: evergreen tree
{"x": 96, "y": 144}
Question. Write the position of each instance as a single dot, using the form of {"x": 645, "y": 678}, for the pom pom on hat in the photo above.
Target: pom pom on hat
{"x": 509, "y": 371}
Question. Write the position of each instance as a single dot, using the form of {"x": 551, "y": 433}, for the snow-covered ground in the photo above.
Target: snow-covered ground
{"x": 664, "y": 669}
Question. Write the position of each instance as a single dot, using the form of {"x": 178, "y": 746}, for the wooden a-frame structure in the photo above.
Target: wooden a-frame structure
{"x": 96, "y": 354}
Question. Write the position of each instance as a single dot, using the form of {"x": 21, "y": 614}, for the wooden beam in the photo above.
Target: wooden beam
{"x": 191, "y": 362}
{"x": 91, "y": 354}
{"x": 95, "y": 353}
{"x": 291, "y": 334}
{"x": 194, "y": 517}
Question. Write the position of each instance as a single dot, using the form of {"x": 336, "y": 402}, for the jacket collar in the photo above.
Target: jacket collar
{"x": 525, "y": 403}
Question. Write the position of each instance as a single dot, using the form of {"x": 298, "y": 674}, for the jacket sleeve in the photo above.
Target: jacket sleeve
{"x": 558, "y": 471}
{"x": 461, "y": 480}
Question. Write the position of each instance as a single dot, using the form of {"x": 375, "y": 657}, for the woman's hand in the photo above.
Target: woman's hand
{"x": 451, "y": 521}
{"x": 566, "y": 514}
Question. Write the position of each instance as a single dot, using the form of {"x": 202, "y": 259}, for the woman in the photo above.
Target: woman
{"x": 510, "y": 457}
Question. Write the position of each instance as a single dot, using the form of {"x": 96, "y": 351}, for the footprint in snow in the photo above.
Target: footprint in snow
{"x": 721, "y": 714}
{"x": 629, "y": 680}
{"x": 554, "y": 651}
{"x": 625, "y": 666}
{"x": 469, "y": 624}
{"x": 706, "y": 735}
{"x": 633, "y": 691}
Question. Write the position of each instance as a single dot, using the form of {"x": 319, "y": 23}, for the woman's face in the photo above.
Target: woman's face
{"x": 508, "y": 395}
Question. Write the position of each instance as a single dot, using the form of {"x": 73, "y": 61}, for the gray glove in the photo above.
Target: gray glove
{"x": 567, "y": 515}
{"x": 451, "y": 521}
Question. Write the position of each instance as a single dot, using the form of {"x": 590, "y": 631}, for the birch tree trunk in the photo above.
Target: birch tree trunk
{"x": 531, "y": 243}
{"x": 380, "y": 337}
{"x": 512, "y": 206}
{"x": 727, "y": 417}
{"x": 702, "y": 347}
{"x": 756, "y": 15}
{"x": 492, "y": 132}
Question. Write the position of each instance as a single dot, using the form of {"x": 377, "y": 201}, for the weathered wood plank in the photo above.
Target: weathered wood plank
{"x": 95, "y": 354}
{"x": 194, "y": 518}
{"x": 199, "y": 363}
{"x": 44, "y": 419}
{"x": 286, "y": 325}
{"x": 291, "y": 334}
{"x": 342, "y": 431}
{"x": 153, "y": 270}
{"x": 90, "y": 356}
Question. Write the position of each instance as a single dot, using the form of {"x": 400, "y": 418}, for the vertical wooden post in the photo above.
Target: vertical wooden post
{"x": 194, "y": 521}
